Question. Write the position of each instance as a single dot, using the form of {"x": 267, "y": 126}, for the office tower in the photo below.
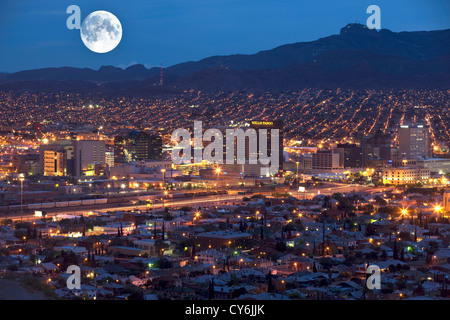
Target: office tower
{"x": 88, "y": 152}
{"x": 377, "y": 146}
{"x": 325, "y": 160}
{"x": 350, "y": 155}
{"x": 148, "y": 147}
{"x": 54, "y": 163}
{"x": 137, "y": 146}
{"x": 109, "y": 158}
{"x": 70, "y": 157}
{"x": 22, "y": 162}
{"x": 122, "y": 150}
{"x": 269, "y": 125}
{"x": 414, "y": 141}
{"x": 56, "y": 159}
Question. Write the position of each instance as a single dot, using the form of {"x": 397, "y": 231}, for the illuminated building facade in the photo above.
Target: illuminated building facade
{"x": 414, "y": 141}
{"x": 325, "y": 160}
{"x": 276, "y": 124}
{"x": 70, "y": 157}
{"x": 350, "y": 155}
{"x": 405, "y": 175}
{"x": 137, "y": 146}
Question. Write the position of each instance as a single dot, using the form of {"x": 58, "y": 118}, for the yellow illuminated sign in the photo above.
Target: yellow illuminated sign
{"x": 262, "y": 123}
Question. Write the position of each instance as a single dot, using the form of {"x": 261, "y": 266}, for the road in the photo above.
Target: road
{"x": 198, "y": 202}
{"x": 84, "y": 210}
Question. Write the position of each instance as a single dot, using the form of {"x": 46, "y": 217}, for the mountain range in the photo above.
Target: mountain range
{"x": 357, "y": 58}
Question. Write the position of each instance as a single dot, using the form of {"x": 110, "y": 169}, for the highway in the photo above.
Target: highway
{"x": 195, "y": 202}
{"x": 83, "y": 210}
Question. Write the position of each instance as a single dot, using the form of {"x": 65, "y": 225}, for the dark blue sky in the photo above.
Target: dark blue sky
{"x": 33, "y": 34}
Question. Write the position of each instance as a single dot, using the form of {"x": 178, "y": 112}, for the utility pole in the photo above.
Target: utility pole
{"x": 297, "y": 178}
{"x": 21, "y": 195}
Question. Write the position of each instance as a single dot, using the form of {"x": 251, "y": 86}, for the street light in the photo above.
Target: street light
{"x": 404, "y": 212}
{"x": 218, "y": 170}
{"x": 164, "y": 197}
{"x": 163, "y": 174}
{"x": 437, "y": 209}
{"x": 21, "y": 179}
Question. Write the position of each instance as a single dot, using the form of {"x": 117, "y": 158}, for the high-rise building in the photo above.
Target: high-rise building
{"x": 88, "y": 152}
{"x": 122, "y": 150}
{"x": 350, "y": 155}
{"x": 137, "y": 146}
{"x": 70, "y": 157}
{"x": 54, "y": 163}
{"x": 325, "y": 160}
{"x": 148, "y": 147}
{"x": 22, "y": 163}
{"x": 57, "y": 159}
{"x": 376, "y": 147}
{"x": 109, "y": 158}
{"x": 414, "y": 141}
{"x": 269, "y": 125}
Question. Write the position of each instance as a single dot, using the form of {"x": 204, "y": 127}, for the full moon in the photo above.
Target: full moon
{"x": 101, "y": 31}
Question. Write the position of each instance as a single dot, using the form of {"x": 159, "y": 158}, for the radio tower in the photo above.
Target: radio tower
{"x": 161, "y": 75}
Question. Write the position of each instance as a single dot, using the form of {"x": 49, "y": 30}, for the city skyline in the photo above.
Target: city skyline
{"x": 175, "y": 30}
{"x": 315, "y": 170}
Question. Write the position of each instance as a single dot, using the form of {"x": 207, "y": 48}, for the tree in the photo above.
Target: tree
{"x": 402, "y": 255}
{"x": 280, "y": 246}
{"x": 371, "y": 230}
{"x": 431, "y": 249}
{"x": 164, "y": 263}
{"x": 395, "y": 255}
{"x": 241, "y": 226}
{"x": 211, "y": 290}
{"x": 270, "y": 287}
{"x": 289, "y": 228}
{"x": 159, "y": 246}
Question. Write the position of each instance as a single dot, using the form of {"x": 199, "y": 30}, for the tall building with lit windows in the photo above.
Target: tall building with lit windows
{"x": 70, "y": 157}
{"x": 137, "y": 146}
{"x": 271, "y": 125}
{"x": 56, "y": 159}
{"x": 405, "y": 175}
{"x": 414, "y": 141}
{"x": 350, "y": 155}
{"x": 88, "y": 152}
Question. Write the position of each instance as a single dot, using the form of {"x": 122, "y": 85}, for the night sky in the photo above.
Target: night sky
{"x": 33, "y": 34}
